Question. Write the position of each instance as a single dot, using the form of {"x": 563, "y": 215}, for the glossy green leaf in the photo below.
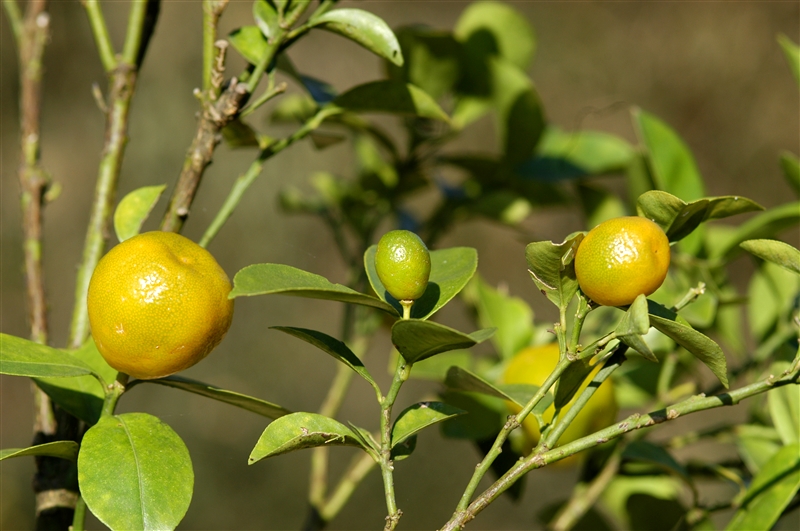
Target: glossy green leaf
{"x": 252, "y": 404}
{"x": 266, "y": 18}
{"x": 436, "y": 368}
{"x": 135, "y": 472}
{"x": 701, "y": 346}
{"x": 462, "y": 380}
{"x": 784, "y": 407}
{"x": 770, "y": 493}
{"x": 774, "y": 251}
{"x": 771, "y": 293}
{"x": 368, "y": 30}
{"x": 511, "y": 316}
{"x": 332, "y": 346}
{"x": 391, "y": 97}
{"x": 249, "y": 42}
{"x": 484, "y": 418}
{"x": 497, "y": 29}
{"x": 635, "y": 324}
{"x": 551, "y": 267}
{"x": 81, "y": 396}
{"x": 766, "y": 224}
{"x": 792, "y": 53}
{"x": 417, "y": 339}
{"x": 268, "y": 279}
{"x": 657, "y": 455}
{"x": 302, "y": 430}
{"x": 564, "y": 155}
{"x": 21, "y": 357}
{"x": 133, "y": 210}
{"x": 791, "y": 170}
{"x": 679, "y": 219}
{"x": 63, "y": 449}
{"x": 673, "y": 165}
{"x": 419, "y": 416}
{"x": 432, "y": 60}
{"x": 451, "y": 269}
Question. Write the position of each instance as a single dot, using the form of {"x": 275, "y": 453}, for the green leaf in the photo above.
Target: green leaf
{"x": 239, "y": 134}
{"x": 135, "y": 472}
{"x": 774, "y": 251}
{"x": 331, "y": 346}
{"x": 368, "y": 30}
{"x": 791, "y": 170}
{"x": 419, "y": 416}
{"x": 635, "y": 324}
{"x": 771, "y": 293}
{"x": 459, "y": 379}
{"x": 417, "y": 340}
{"x": 679, "y": 219}
{"x": 266, "y": 18}
{"x": 268, "y": 279}
{"x": 404, "y": 449}
{"x": 20, "y": 357}
{"x": 701, "y": 346}
{"x": 81, "y": 396}
{"x": 784, "y": 407}
{"x": 599, "y": 204}
{"x": 566, "y": 155}
{"x": 792, "y": 53}
{"x": 391, "y": 97}
{"x": 551, "y": 267}
{"x": 570, "y": 381}
{"x": 770, "y": 492}
{"x": 511, "y": 316}
{"x": 302, "y": 430}
{"x": 249, "y": 42}
{"x": 764, "y": 225}
{"x": 657, "y": 455}
{"x": 294, "y": 108}
{"x": 757, "y": 444}
{"x": 497, "y": 29}
{"x": 436, "y": 368}
{"x": 63, "y": 449}
{"x": 133, "y": 210}
{"x": 484, "y": 418}
{"x": 674, "y": 167}
{"x": 432, "y": 60}
{"x": 252, "y": 404}
{"x": 451, "y": 269}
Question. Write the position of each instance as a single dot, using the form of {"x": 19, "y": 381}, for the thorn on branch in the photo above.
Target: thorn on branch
{"x": 99, "y": 99}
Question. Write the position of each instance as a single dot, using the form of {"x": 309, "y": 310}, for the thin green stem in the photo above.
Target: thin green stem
{"x": 406, "y": 309}
{"x": 387, "y": 466}
{"x": 690, "y": 297}
{"x": 101, "y": 36}
{"x": 212, "y": 10}
{"x": 244, "y": 181}
{"x": 666, "y": 375}
{"x": 512, "y": 423}
{"x": 113, "y": 394}
{"x": 264, "y": 98}
{"x": 580, "y": 316}
{"x": 634, "y": 422}
{"x": 79, "y": 518}
{"x": 133, "y": 37}
{"x": 14, "y": 18}
{"x": 323, "y": 8}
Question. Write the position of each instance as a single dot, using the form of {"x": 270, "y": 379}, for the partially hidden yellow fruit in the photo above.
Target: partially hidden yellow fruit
{"x": 533, "y": 365}
{"x": 158, "y": 304}
{"x": 620, "y": 259}
{"x": 403, "y": 264}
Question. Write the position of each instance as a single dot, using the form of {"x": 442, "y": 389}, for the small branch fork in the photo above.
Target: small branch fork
{"x": 632, "y": 423}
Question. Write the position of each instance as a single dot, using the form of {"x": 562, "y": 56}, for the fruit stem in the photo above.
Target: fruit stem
{"x": 406, "y": 308}
{"x": 113, "y": 392}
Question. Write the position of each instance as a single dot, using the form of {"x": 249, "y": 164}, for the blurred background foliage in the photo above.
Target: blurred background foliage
{"x": 713, "y": 71}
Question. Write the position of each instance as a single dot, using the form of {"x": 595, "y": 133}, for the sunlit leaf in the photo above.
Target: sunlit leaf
{"x": 774, "y": 251}
{"x": 135, "y": 472}
{"x": 266, "y": 18}
{"x": 417, "y": 340}
{"x": 784, "y": 407}
{"x": 551, "y": 267}
{"x": 791, "y": 170}
{"x": 766, "y": 224}
{"x": 21, "y": 357}
{"x": 635, "y": 324}
{"x": 368, "y": 30}
{"x": 391, "y": 97}
{"x": 249, "y": 42}
{"x": 301, "y": 430}
{"x": 63, "y": 449}
{"x": 419, "y": 416}
{"x": 496, "y": 28}
{"x": 133, "y": 210}
{"x": 511, "y": 316}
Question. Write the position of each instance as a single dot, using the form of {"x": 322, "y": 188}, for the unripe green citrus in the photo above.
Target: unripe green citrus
{"x": 403, "y": 264}
{"x": 158, "y": 303}
{"x": 621, "y": 259}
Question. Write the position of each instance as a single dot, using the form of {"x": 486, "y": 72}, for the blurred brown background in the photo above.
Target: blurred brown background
{"x": 712, "y": 70}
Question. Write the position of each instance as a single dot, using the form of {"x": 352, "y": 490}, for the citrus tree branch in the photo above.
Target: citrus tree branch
{"x": 212, "y": 11}
{"x": 634, "y": 422}
{"x": 14, "y": 18}
{"x": 101, "y": 36}
{"x": 123, "y": 83}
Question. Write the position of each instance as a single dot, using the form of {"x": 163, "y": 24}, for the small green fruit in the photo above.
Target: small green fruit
{"x": 403, "y": 264}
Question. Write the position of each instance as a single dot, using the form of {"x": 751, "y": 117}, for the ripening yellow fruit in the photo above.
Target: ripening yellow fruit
{"x": 403, "y": 264}
{"x": 158, "y": 303}
{"x": 620, "y": 259}
{"x": 533, "y": 365}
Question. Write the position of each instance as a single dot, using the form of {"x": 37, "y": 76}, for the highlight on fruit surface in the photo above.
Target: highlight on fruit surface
{"x": 532, "y": 365}
{"x": 622, "y": 258}
{"x": 403, "y": 264}
{"x": 158, "y": 303}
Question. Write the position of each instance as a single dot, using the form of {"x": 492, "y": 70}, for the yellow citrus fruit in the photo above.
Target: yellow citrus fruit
{"x": 533, "y": 365}
{"x": 158, "y": 304}
{"x": 620, "y": 259}
{"x": 403, "y": 264}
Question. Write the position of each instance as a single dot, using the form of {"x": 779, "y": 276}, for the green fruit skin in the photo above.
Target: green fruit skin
{"x": 403, "y": 264}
